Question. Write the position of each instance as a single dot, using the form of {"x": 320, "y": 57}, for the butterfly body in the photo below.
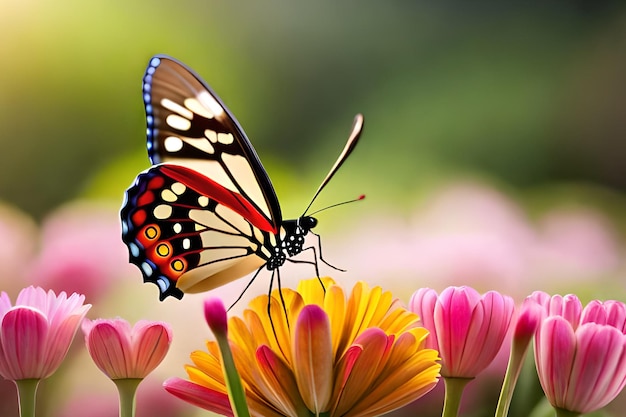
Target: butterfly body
{"x": 206, "y": 212}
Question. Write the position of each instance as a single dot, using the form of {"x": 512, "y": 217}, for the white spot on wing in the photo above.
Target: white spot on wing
{"x": 173, "y": 144}
{"x": 162, "y": 211}
{"x": 177, "y": 228}
{"x": 178, "y": 188}
{"x": 176, "y": 108}
{"x": 178, "y": 122}
{"x": 196, "y": 107}
{"x": 210, "y": 103}
{"x": 225, "y": 138}
{"x": 203, "y": 201}
{"x": 168, "y": 196}
{"x": 186, "y": 243}
{"x": 210, "y": 135}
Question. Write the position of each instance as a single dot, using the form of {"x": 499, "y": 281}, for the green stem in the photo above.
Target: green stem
{"x": 27, "y": 393}
{"x": 454, "y": 392}
{"x": 513, "y": 369}
{"x": 127, "y": 388}
{"x": 236, "y": 392}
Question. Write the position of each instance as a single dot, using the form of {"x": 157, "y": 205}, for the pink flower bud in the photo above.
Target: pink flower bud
{"x": 466, "y": 328}
{"x": 124, "y": 352}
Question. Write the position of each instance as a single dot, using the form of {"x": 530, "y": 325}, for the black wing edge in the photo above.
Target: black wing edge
{"x": 136, "y": 253}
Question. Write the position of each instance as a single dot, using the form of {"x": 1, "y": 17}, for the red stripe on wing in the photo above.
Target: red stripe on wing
{"x": 222, "y": 195}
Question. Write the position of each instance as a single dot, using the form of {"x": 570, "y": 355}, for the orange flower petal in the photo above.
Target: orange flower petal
{"x": 313, "y": 358}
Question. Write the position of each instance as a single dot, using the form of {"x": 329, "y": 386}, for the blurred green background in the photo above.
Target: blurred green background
{"x": 527, "y": 95}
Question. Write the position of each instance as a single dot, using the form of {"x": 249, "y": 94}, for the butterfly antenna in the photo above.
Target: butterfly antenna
{"x": 355, "y": 134}
{"x": 359, "y": 198}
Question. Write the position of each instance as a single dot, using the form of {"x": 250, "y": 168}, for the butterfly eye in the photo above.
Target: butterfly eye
{"x": 308, "y": 222}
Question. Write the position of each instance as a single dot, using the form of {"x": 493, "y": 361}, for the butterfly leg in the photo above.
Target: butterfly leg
{"x": 314, "y": 263}
{"x": 276, "y": 273}
{"x": 248, "y": 286}
{"x": 319, "y": 246}
{"x": 282, "y": 300}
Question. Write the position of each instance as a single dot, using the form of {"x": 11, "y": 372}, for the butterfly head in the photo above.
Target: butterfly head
{"x": 306, "y": 223}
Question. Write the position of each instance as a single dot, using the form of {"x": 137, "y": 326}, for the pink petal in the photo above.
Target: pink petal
{"x": 555, "y": 350}
{"x": 24, "y": 336}
{"x": 5, "y": 303}
{"x": 151, "y": 341}
{"x": 423, "y": 303}
{"x": 199, "y": 396}
{"x": 599, "y": 371}
{"x": 610, "y": 312}
{"x": 489, "y": 327}
{"x": 109, "y": 345}
{"x": 453, "y": 316}
{"x": 616, "y": 314}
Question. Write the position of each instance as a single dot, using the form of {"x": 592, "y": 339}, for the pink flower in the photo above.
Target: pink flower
{"x": 123, "y": 352}
{"x": 581, "y": 355}
{"x": 36, "y": 333}
{"x": 466, "y": 328}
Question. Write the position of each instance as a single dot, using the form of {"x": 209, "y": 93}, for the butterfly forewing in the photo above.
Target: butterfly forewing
{"x": 189, "y": 125}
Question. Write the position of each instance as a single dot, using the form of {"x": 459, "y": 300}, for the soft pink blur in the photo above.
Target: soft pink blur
{"x": 124, "y": 352}
{"x": 471, "y": 234}
{"x": 580, "y": 354}
{"x": 36, "y": 333}
{"x": 466, "y": 328}
{"x": 81, "y": 251}
{"x": 18, "y": 241}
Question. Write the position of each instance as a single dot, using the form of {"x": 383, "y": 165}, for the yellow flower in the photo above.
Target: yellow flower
{"x": 363, "y": 355}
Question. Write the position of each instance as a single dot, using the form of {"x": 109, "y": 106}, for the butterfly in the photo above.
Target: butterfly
{"x": 205, "y": 213}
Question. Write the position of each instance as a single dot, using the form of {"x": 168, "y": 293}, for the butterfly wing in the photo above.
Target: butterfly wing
{"x": 181, "y": 230}
{"x": 189, "y": 125}
{"x": 206, "y": 213}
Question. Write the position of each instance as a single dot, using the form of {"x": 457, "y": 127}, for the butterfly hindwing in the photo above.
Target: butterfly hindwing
{"x": 173, "y": 230}
{"x": 189, "y": 125}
